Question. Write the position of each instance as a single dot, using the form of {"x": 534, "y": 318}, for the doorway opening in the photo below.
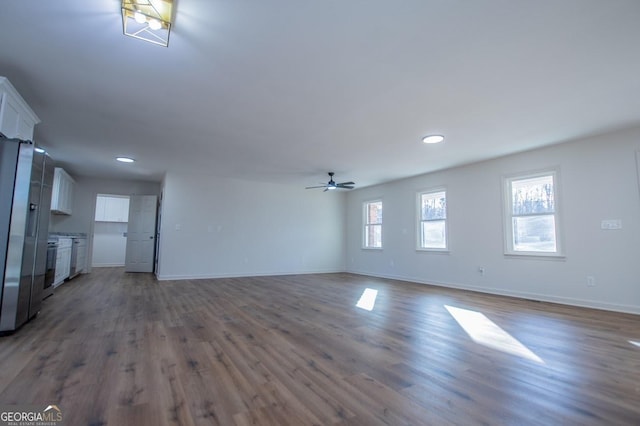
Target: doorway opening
{"x": 110, "y": 230}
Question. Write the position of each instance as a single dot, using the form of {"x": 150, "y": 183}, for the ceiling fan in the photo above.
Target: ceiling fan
{"x": 332, "y": 185}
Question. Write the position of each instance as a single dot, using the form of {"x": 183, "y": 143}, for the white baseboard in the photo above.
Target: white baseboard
{"x": 162, "y": 277}
{"x": 488, "y": 290}
{"x": 629, "y": 309}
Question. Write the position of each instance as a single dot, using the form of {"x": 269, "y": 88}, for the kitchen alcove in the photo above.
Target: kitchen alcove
{"x": 110, "y": 230}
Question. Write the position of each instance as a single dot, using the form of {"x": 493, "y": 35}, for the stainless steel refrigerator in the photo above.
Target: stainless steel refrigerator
{"x": 26, "y": 178}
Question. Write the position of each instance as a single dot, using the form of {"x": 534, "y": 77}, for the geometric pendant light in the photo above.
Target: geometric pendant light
{"x": 148, "y": 20}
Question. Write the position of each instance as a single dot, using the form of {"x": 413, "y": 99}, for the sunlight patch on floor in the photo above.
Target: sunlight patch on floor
{"x": 487, "y": 333}
{"x": 368, "y": 299}
{"x": 633, "y": 342}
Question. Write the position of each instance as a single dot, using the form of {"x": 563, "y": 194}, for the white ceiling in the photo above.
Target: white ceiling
{"x": 287, "y": 90}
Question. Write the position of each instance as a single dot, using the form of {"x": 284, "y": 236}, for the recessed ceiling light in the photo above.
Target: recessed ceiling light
{"x": 39, "y": 150}
{"x": 433, "y": 139}
{"x": 125, "y": 159}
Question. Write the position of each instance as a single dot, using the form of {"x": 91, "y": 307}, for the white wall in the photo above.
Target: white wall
{"x": 84, "y": 204}
{"x": 109, "y": 244}
{"x": 598, "y": 180}
{"x": 214, "y": 227}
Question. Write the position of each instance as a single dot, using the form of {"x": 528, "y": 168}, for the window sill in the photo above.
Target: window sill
{"x": 434, "y": 251}
{"x": 536, "y": 256}
{"x": 371, "y": 248}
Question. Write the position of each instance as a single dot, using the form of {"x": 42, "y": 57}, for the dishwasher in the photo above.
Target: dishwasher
{"x": 50, "y": 273}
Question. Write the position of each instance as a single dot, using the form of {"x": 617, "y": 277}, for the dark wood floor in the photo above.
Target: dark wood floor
{"x": 111, "y": 348}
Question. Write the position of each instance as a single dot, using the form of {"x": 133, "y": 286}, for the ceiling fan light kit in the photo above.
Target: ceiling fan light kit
{"x": 331, "y": 185}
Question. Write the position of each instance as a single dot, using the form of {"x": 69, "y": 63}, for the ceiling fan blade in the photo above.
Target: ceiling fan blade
{"x": 333, "y": 185}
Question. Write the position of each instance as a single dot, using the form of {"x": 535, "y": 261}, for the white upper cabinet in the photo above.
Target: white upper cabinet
{"x": 101, "y": 205}
{"x": 17, "y": 120}
{"x": 62, "y": 196}
{"x": 112, "y": 209}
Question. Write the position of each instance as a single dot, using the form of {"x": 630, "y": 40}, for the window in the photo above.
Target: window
{"x": 432, "y": 217}
{"x": 373, "y": 224}
{"x": 531, "y": 210}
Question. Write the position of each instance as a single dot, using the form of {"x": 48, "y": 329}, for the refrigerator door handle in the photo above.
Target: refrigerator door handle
{"x": 32, "y": 222}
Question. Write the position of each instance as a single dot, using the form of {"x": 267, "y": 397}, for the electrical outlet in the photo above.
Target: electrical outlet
{"x": 591, "y": 281}
{"x": 481, "y": 270}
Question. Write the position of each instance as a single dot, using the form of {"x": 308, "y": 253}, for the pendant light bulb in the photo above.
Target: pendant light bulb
{"x": 154, "y": 24}
{"x": 140, "y": 18}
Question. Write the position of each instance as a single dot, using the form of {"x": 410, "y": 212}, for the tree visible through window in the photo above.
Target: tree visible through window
{"x": 532, "y": 213}
{"x": 433, "y": 220}
{"x": 373, "y": 224}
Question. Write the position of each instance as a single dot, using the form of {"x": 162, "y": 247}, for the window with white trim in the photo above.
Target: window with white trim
{"x": 432, "y": 220}
{"x": 372, "y": 224}
{"x": 531, "y": 212}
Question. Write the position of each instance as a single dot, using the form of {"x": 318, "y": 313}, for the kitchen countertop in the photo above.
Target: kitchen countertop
{"x": 67, "y": 235}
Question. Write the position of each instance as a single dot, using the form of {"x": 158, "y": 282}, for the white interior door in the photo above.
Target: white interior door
{"x": 141, "y": 233}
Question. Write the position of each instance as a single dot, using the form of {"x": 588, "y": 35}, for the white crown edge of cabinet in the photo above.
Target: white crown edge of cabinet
{"x": 6, "y": 86}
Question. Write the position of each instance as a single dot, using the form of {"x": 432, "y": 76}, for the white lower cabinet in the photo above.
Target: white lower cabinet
{"x": 81, "y": 260}
{"x": 63, "y": 261}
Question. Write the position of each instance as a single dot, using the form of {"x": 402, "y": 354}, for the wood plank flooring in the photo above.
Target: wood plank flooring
{"x": 112, "y": 348}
